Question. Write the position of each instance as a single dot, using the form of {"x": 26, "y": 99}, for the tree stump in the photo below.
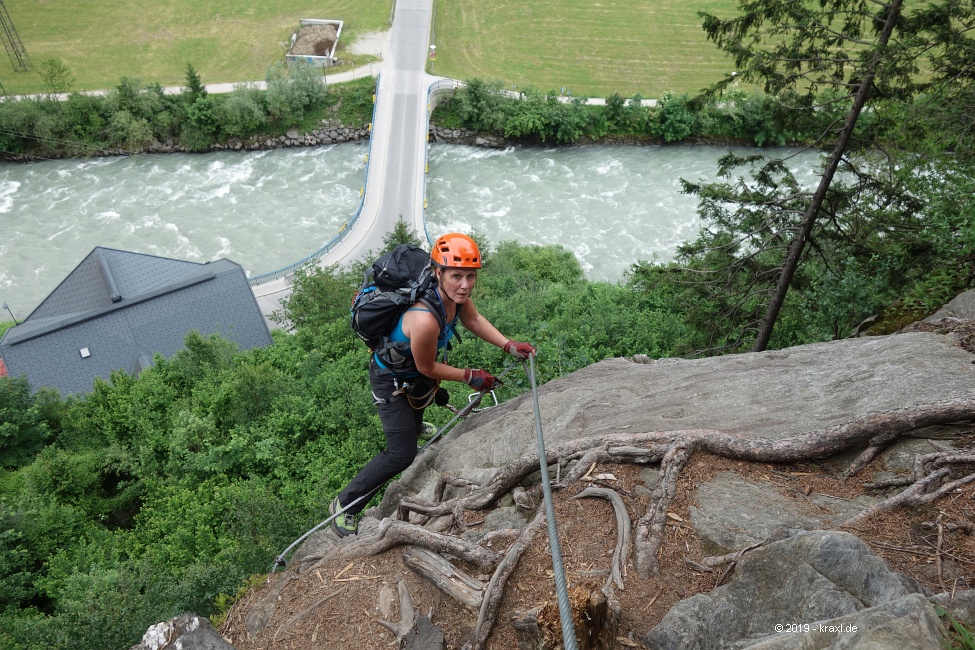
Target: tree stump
{"x": 594, "y": 620}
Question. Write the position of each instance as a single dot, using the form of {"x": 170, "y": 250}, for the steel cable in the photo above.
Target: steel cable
{"x": 464, "y": 412}
{"x": 280, "y": 561}
{"x": 561, "y": 589}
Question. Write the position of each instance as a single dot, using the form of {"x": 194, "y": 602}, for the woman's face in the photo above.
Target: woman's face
{"x": 457, "y": 284}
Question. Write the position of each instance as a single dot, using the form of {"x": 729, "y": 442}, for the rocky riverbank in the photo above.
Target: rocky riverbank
{"x": 465, "y": 136}
{"x": 329, "y": 132}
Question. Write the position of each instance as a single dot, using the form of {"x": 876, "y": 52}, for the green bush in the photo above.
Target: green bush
{"x": 85, "y": 118}
{"x": 133, "y": 115}
{"x": 673, "y": 119}
{"x": 293, "y": 91}
{"x": 140, "y": 101}
{"x": 18, "y": 119}
{"x": 129, "y": 132}
{"x": 242, "y": 112}
{"x": 27, "y": 421}
{"x": 202, "y": 115}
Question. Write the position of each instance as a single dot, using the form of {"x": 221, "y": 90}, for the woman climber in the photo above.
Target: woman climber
{"x": 401, "y": 397}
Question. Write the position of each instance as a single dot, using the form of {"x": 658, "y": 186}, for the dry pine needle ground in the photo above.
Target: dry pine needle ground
{"x": 909, "y": 541}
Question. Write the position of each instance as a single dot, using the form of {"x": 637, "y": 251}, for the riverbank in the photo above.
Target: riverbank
{"x": 149, "y": 119}
{"x": 332, "y": 131}
{"x": 328, "y": 133}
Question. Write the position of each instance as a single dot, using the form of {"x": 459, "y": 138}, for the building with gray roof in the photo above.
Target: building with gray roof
{"x": 117, "y": 308}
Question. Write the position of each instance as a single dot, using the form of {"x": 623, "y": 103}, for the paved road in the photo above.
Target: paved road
{"x": 395, "y": 184}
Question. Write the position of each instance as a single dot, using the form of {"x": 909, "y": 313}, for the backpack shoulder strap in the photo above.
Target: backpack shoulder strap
{"x": 436, "y": 307}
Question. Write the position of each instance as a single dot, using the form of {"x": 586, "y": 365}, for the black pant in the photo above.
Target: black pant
{"x": 401, "y": 426}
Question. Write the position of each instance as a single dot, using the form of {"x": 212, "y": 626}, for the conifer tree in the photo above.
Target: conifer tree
{"x": 194, "y": 88}
{"x": 828, "y": 61}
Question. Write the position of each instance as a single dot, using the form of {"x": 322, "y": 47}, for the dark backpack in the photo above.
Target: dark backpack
{"x": 395, "y": 281}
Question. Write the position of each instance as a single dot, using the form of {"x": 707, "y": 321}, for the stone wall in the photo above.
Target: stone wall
{"x": 330, "y": 132}
{"x": 464, "y": 136}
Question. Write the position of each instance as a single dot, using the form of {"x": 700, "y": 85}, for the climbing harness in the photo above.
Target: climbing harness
{"x": 561, "y": 589}
{"x": 419, "y": 393}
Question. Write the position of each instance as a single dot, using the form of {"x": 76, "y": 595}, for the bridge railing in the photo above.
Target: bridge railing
{"x": 437, "y": 88}
{"x": 337, "y": 239}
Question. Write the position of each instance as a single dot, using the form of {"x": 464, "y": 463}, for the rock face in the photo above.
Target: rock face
{"x": 822, "y": 589}
{"x": 962, "y": 307}
{"x": 464, "y": 136}
{"x": 734, "y": 513}
{"x": 186, "y": 632}
{"x": 770, "y": 394}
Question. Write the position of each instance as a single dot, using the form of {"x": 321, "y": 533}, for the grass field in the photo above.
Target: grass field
{"x": 226, "y": 40}
{"x": 591, "y": 48}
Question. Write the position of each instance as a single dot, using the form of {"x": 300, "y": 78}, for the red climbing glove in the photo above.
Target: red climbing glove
{"x": 480, "y": 380}
{"x": 519, "y": 349}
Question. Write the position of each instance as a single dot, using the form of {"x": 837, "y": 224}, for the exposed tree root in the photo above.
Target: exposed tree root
{"x": 674, "y": 449}
{"x": 393, "y": 533}
{"x": 495, "y": 588}
{"x": 434, "y": 567}
{"x": 728, "y": 560}
{"x": 924, "y": 485}
{"x": 872, "y": 433}
{"x": 407, "y": 615}
{"x": 306, "y": 612}
{"x": 864, "y": 458}
{"x": 650, "y": 527}
{"x": 622, "y": 550}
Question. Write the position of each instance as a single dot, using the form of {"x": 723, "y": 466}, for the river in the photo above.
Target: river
{"x": 610, "y": 205}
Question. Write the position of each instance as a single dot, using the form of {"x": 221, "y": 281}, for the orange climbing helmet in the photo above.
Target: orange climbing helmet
{"x": 455, "y": 250}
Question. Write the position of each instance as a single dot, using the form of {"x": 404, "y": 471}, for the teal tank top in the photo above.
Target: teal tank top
{"x": 397, "y": 335}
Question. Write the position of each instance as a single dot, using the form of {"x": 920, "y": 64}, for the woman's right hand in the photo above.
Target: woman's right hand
{"x": 480, "y": 379}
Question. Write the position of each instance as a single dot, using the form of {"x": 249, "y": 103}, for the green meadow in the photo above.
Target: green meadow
{"x": 589, "y": 48}
{"x": 226, "y": 40}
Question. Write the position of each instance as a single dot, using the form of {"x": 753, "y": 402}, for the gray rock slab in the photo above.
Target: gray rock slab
{"x": 318, "y": 544}
{"x": 960, "y": 605}
{"x": 504, "y": 517}
{"x": 908, "y": 623}
{"x": 261, "y": 614}
{"x": 961, "y": 306}
{"x": 769, "y": 394}
{"x": 185, "y": 632}
{"x": 900, "y": 456}
{"x": 807, "y": 578}
{"x": 733, "y": 513}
